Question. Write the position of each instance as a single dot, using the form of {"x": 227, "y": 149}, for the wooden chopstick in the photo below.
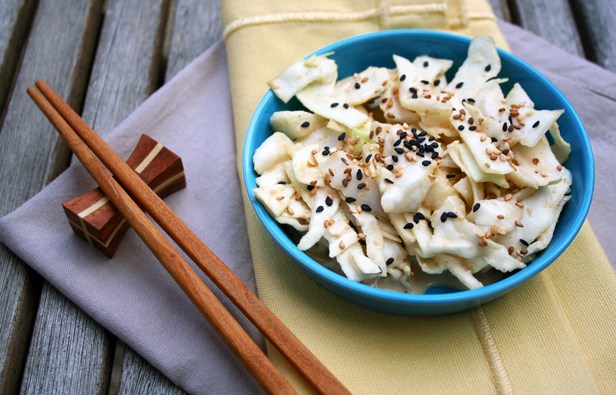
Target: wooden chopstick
{"x": 273, "y": 329}
{"x": 242, "y": 345}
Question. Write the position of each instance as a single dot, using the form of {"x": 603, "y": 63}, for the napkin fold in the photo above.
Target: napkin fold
{"x": 554, "y": 334}
{"x": 132, "y": 295}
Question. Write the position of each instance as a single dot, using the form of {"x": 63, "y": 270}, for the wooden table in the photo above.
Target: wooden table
{"x": 105, "y": 58}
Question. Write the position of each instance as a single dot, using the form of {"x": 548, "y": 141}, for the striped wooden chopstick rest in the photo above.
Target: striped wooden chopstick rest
{"x": 95, "y": 219}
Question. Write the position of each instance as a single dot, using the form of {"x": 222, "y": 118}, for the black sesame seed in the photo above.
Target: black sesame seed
{"x": 444, "y": 217}
{"x": 494, "y": 139}
{"x": 325, "y": 152}
{"x": 410, "y": 225}
{"x": 357, "y": 85}
{"x": 399, "y": 150}
{"x": 421, "y": 139}
{"x": 451, "y": 176}
{"x": 471, "y": 100}
{"x": 403, "y": 135}
{"x": 461, "y": 127}
{"x": 524, "y": 242}
{"x": 341, "y": 137}
{"x": 389, "y": 261}
{"x": 365, "y": 207}
{"x": 409, "y": 145}
{"x": 476, "y": 207}
{"x": 434, "y": 155}
{"x": 368, "y": 158}
{"x": 426, "y": 64}
{"x": 389, "y": 181}
{"x": 334, "y": 105}
{"x": 390, "y": 167}
{"x": 346, "y": 162}
{"x": 305, "y": 124}
{"x": 437, "y": 82}
{"x": 430, "y": 224}
{"x": 420, "y": 154}
{"x": 505, "y": 127}
{"x": 535, "y": 124}
{"x": 345, "y": 105}
{"x": 282, "y": 182}
{"x": 360, "y": 175}
{"x": 413, "y": 90}
{"x": 452, "y": 215}
{"x": 432, "y": 138}
{"x": 319, "y": 209}
{"x": 472, "y": 127}
{"x": 510, "y": 120}
{"x": 402, "y": 77}
{"x": 488, "y": 68}
{"x": 397, "y": 142}
{"x": 329, "y": 201}
{"x": 425, "y": 82}
{"x": 394, "y": 158}
{"x": 434, "y": 145}
{"x": 415, "y": 95}
{"x": 459, "y": 85}
{"x": 310, "y": 187}
{"x": 350, "y": 199}
{"x": 420, "y": 216}
{"x": 424, "y": 133}
{"x": 361, "y": 185}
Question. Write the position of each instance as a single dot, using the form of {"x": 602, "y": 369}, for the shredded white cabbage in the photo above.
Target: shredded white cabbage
{"x": 395, "y": 169}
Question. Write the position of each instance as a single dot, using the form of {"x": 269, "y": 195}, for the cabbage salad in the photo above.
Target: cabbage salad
{"x": 395, "y": 166}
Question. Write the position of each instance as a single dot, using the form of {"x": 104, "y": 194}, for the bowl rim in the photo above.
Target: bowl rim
{"x": 464, "y": 296}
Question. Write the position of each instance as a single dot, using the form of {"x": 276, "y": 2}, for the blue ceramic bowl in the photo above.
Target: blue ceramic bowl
{"x": 376, "y": 49}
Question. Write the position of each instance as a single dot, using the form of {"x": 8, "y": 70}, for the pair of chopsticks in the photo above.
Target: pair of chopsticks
{"x": 81, "y": 139}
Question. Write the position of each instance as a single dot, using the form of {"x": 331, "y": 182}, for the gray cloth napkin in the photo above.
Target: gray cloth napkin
{"x": 131, "y": 294}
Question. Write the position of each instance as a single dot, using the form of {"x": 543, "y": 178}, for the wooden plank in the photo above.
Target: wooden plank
{"x": 15, "y": 19}
{"x": 596, "y": 23}
{"x": 501, "y": 9}
{"x": 139, "y": 377}
{"x": 550, "y": 19}
{"x": 195, "y": 27}
{"x": 76, "y": 362}
{"x": 31, "y": 154}
{"x": 124, "y": 74}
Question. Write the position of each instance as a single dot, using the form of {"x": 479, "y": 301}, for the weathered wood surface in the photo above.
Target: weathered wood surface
{"x": 596, "y": 20}
{"x": 139, "y": 377}
{"x": 550, "y": 19}
{"x": 123, "y": 75}
{"x": 31, "y": 155}
{"x": 15, "y": 18}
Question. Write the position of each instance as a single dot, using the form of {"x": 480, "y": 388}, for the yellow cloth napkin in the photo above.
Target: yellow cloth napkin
{"x": 556, "y": 334}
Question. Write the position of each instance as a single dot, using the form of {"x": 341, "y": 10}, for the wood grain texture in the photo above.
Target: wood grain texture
{"x": 15, "y": 19}
{"x": 78, "y": 362}
{"x": 596, "y": 24}
{"x": 550, "y": 19}
{"x": 140, "y": 378}
{"x": 501, "y": 9}
{"x": 127, "y": 61}
{"x": 196, "y": 26}
{"x": 31, "y": 155}
{"x": 123, "y": 76}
